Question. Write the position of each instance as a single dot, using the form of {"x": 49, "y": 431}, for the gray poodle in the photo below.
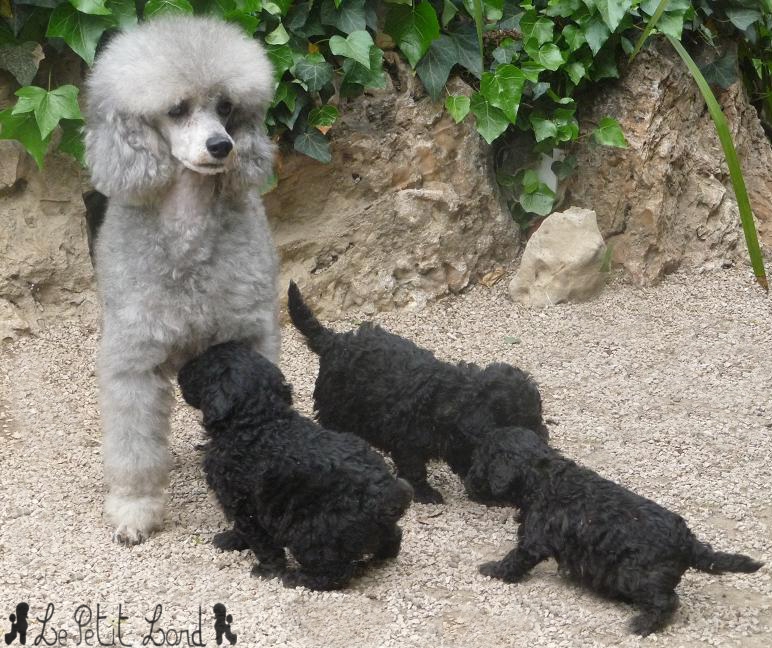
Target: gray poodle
{"x": 184, "y": 258}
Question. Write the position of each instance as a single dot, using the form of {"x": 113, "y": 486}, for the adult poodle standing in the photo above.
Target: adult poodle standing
{"x": 184, "y": 258}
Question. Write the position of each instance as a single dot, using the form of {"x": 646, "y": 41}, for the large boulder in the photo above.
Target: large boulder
{"x": 406, "y": 212}
{"x": 562, "y": 261}
{"x": 666, "y": 201}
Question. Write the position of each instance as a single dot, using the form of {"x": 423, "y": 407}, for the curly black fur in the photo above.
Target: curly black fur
{"x": 602, "y": 535}
{"x": 286, "y": 482}
{"x": 403, "y": 400}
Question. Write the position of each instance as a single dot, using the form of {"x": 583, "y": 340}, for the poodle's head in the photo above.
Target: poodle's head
{"x": 510, "y": 397}
{"x": 178, "y": 92}
{"x": 503, "y": 465}
{"x": 232, "y": 378}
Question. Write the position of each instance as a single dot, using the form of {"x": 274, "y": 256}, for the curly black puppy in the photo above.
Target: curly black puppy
{"x": 286, "y": 482}
{"x": 604, "y": 536}
{"x": 404, "y": 401}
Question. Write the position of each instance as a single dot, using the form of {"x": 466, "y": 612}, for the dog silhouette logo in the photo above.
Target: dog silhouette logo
{"x": 222, "y": 625}
{"x": 19, "y": 625}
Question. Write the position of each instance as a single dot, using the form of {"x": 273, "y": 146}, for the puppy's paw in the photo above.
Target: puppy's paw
{"x": 128, "y": 536}
{"x": 642, "y": 625}
{"x": 229, "y": 541}
{"x": 268, "y": 570}
{"x": 495, "y": 569}
{"x": 134, "y": 518}
{"x": 427, "y": 495}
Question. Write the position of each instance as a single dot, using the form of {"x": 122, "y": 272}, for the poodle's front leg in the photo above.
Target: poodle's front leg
{"x": 269, "y": 341}
{"x": 135, "y": 413}
{"x": 515, "y": 565}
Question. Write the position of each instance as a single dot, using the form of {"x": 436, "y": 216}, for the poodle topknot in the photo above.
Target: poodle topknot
{"x": 286, "y": 482}
{"x": 604, "y": 536}
{"x": 176, "y": 144}
{"x": 406, "y": 402}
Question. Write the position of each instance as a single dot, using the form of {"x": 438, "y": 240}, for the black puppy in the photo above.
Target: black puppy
{"x": 403, "y": 400}
{"x": 602, "y": 535}
{"x": 286, "y": 482}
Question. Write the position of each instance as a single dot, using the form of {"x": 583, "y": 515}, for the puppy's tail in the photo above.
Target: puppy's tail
{"x": 718, "y": 562}
{"x": 397, "y": 499}
{"x": 305, "y": 321}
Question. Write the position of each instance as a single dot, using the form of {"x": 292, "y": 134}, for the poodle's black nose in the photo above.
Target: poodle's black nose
{"x": 219, "y": 146}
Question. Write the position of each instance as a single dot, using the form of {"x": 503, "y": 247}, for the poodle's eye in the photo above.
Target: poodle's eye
{"x": 224, "y": 108}
{"x": 180, "y": 110}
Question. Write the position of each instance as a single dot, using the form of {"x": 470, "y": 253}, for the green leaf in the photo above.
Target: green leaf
{"x": 94, "y": 7}
{"x": 80, "y": 31}
{"x": 49, "y": 107}
{"x": 458, "y": 107}
{"x": 124, "y": 12}
{"x": 286, "y": 93}
{"x": 609, "y": 133}
{"x": 435, "y": 66}
{"x": 413, "y": 29}
{"x": 537, "y": 30}
{"x": 742, "y": 18}
{"x": 613, "y": 11}
{"x": 21, "y": 61}
{"x": 596, "y": 33}
{"x": 503, "y": 89}
{"x": 278, "y": 36}
{"x": 468, "y": 51}
{"x": 531, "y": 70}
{"x": 542, "y": 127}
{"x": 672, "y": 23}
{"x": 449, "y": 12}
{"x": 490, "y": 121}
{"x": 564, "y": 168}
{"x": 550, "y": 56}
{"x": 357, "y": 76}
{"x": 506, "y": 51}
{"x": 162, "y": 7}
{"x": 313, "y": 71}
{"x": 313, "y": 144}
{"x": 24, "y": 128}
{"x": 568, "y": 127}
{"x": 72, "y": 139}
{"x": 281, "y": 58}
{"x": 355, "y": 46}
{"x": 576, "y": 71}
{"x": 350, "y": 17}
{"x": 722, "y": 72}
{"x": 324, "y": 116}
{"x": 574, "y": 37}
{"x": 539, "y": 201}
{"x": 562, "y": 8}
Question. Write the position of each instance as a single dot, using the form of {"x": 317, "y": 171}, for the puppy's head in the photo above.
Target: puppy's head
{"x": 502, "y": 465}
{"x": 232, "y": 377}
{"x": 511, "y": 398}
{"x": 178, "y": 91}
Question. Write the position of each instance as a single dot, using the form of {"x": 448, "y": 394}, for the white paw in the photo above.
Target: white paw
{"x": 134, "y": 518}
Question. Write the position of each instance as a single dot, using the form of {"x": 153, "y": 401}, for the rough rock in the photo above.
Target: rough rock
{"x": 406, "y": 212}
{"x": 666, "y": 201}
{"x": 562, "y": 261}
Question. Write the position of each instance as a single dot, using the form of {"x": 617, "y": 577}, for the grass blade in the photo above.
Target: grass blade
{"x": 735, "y": 172}
{"x": 649, "y": 26}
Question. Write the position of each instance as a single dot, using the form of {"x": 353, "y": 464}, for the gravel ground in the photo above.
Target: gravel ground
{"x": 666, "y": 390}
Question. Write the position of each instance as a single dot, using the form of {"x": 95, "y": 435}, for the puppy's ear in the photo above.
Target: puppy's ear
{"x": 126, "y": 156}
{"x": 501, "y": 477}
{"x": 254, "y": 151}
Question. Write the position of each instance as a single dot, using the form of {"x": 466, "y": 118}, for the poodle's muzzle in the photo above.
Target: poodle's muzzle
{"x": 201, "y": 143}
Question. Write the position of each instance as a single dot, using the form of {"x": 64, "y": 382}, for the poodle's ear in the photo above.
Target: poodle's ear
{"x": 126, "y": 156}
{"x": 219, "y": 401}
{"x": 501, "y": 477}
{"x": 254, "y": 151}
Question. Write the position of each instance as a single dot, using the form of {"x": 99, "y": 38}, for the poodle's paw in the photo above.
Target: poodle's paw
{"x": 134, "y": 518}
{"x": 425, "y": 494}
{"x": 495, "y": 569}
{"x": 267, "y": 570}
{"x": 643, "y": 625}
{"x": 229, "y": 541}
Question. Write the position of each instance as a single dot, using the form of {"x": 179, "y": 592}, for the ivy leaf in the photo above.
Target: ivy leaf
{"x": 281, "y": 58}
{"x": 72, "y": 139}
{"x": 531, "y": 70}
{"x": 278, "y": 36}
{"x": 357, "y": 76}
{"x": 576, "y": 71}
{"x": 323, "y": 117}
{"x": 613, "y": 11}
{"x": 21, "y": 61}
{"x": 94, "y": 7}
{"x": 543, "y": 128}
{"x": 313, "y": 144}
{"x": 162, "y": 7}
{"x": 355, "y": 46}
{"x": 504, "y": 89}
{"x": 124, "y": 12}
{"x": 297, "y": 17}
{"x": 490, "y": 121}
{"x": 609, "y": 133}
{"x": 536, "y": 30}
{"x": 24, "y": 128}
{"x": 562, "y": 8}
{"x": 449, "y": 12}
{"x": 286, "y": 93}
{"x": 468, "y": 50}
{"x": 723, "y": 71}
{"x": 539, "y": 201}
{"x": 564, "y": 168}
{"x": 458, "y": 107}
{"x": 435, "y": 67}
{"x": 313, "y": 71}
{"x": 568, "y": 127}
{"x": 48, "y": 107}
{"x": 349, "y": 17}
{"x": 80, "y": 31}
{"x": 550, "y": 56}
{"x": 506, "y": 51}
{"x": 574, "y": 37}
{"x": 742, "y": 18}
{"x": 413, "y": 29}
{"x": 672, "y": 23}
{"x": 596, "y": 33}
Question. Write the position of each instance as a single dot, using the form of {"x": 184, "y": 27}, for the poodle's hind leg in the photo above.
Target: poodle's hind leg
{"x": 655, "y": 613}
{"x": 391, "y": 541}
{"x": 654, "y": 593}
{"x": 135, "y": 412}
{"x": 412, "y": 467}
{"x": 230, "y": 540}
{"x": 322, "y": 577}
{"x": 272, "y": 559}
